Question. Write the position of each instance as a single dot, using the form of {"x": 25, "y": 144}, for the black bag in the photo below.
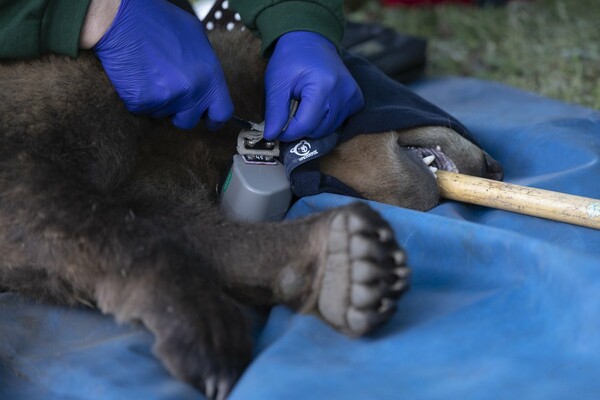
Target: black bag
{"x": 401, "y": 57}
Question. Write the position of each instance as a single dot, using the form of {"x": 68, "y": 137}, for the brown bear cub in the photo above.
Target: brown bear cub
{"x": 104, "y": 208}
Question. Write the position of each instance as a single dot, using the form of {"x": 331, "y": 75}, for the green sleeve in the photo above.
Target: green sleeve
{"x": 272, "y": 18}
{"x": 30, "y": 28}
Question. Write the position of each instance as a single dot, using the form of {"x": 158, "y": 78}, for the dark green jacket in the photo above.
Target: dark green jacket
{"x": 272, "y": 18}
{"x": 30, "y": 28}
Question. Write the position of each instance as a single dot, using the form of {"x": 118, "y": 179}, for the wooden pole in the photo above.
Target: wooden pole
{"x": 555, "y": 206}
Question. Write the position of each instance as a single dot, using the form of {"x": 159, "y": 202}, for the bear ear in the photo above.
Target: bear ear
{"x": 493, "y": 169}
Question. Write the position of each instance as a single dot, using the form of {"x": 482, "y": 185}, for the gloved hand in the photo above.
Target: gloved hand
{"x": 159, "y": 60}
{"x": 307, "y": 67}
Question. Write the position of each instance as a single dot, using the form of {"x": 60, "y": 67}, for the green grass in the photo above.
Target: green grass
{"x": 551, "y": 47}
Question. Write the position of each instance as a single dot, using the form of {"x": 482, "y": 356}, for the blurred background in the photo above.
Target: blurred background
{"x": 551, "y": 47}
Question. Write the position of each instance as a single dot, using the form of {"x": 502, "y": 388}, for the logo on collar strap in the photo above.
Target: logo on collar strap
{"x": 303, "y": 150}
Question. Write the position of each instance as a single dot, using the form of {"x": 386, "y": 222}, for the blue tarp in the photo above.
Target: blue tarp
{"x": 501, "y": 305}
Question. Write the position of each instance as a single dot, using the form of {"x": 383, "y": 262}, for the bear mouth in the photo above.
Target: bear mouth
{"x": 435, "y": 159}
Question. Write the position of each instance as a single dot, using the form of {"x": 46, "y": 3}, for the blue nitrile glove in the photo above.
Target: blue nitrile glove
{"x": 307, "y": 67}
{"x": 161, "y": 64}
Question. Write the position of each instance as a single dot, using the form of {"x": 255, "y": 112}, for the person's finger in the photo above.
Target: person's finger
{"x": 220, "y": 110}
{"x": 333, "y": 119}
{"x": 189, "y": 118}
{"x": 312, "y": 112}
{"x": 277, "y": 112}
{"x": 166, "y": 108}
